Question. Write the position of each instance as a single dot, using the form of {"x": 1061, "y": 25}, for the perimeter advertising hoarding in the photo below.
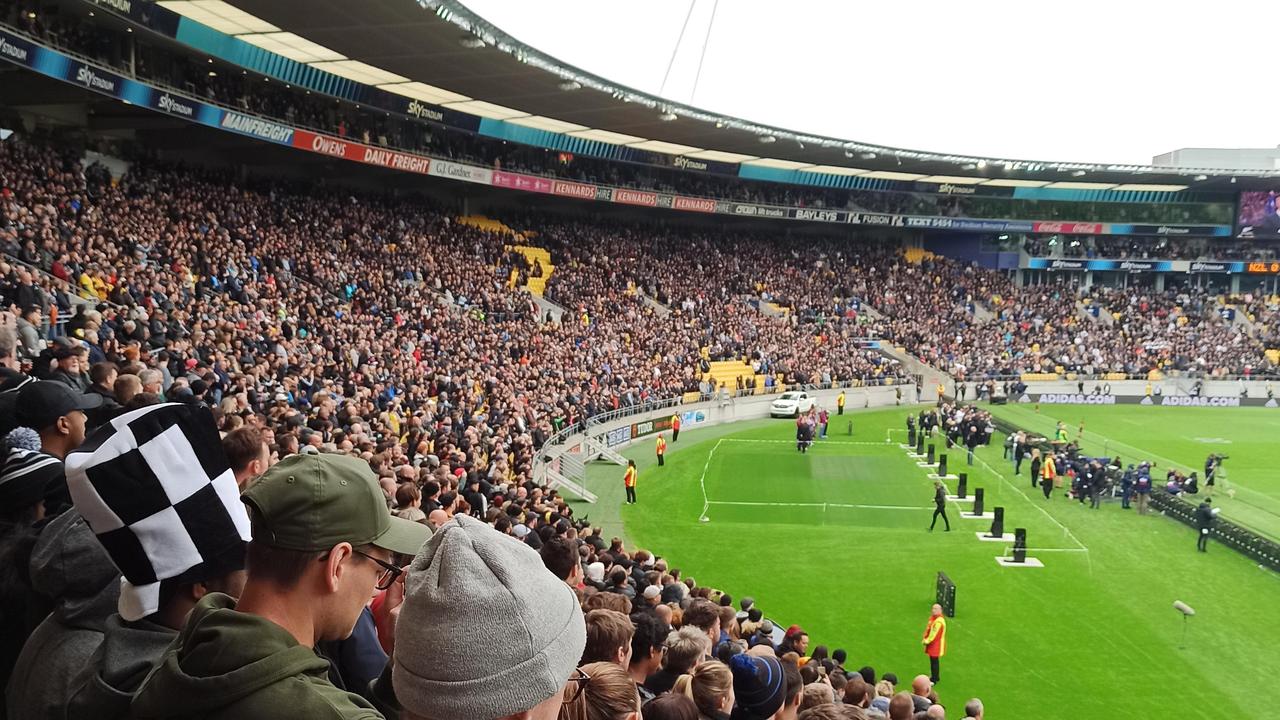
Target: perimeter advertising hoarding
{"x": 1160, "y": 400}
{"x": 52, "y": 63}
{"x": 1177, "y": 266}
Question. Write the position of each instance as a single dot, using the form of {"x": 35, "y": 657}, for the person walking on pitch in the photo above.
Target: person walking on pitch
{"x": 662, "y": 449}
{"x": 1204, "y": 524}
{"x": 629, "y": 480}
{"x": 935, "y": 640}
{"x": 940, "y": 506}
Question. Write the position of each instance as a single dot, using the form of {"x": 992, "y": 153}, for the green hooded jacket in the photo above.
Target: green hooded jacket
{"x": 233, "y": 665}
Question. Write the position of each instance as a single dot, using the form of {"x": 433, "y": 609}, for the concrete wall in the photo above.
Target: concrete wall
{"x": 716, "y": 412}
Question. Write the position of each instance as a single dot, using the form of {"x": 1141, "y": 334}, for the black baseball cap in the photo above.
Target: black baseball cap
{"x": 42, "y": 402}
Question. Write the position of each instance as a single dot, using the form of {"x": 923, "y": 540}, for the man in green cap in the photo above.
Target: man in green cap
{"x": 323, "y": 541}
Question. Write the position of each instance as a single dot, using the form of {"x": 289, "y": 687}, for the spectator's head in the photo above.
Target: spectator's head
{"x": 56, "y": 412}
{"x": 609, "y": 636}
{"x": 123, "y": 482}
{"x": 103, "y": 375}
{"x": 248, "y": 452}
{"x": 671, "y": 706}
{"x": 855, "y": 691}
{"x": 607, "y": 693}
{"x": 152, "y": 380}
{"x": 436, "y": 518}
{"x": 710, "y": 686}
{"x": 936, "y": 712}
{"x": 26, "y": 478}
{"x": 646, "y": 645}
{"x": 704, "y": 615}
{"x": 839, "y": 655}
{"x": 831, "y": 711}
{"x": 901, "y": 707}
{"x": 815, "y": 694}
{"x": 973, "y": 709}
{"x": 451, "y": 661}
{"x": 560, "y": 556}
{"x": 759, "y": 685}
{"x": 125, "y": 388}
{"x": 868, "y": 674}
{"x": 884, "y": 689}
{"x": 921, "y": 686}
{"x": 408, "y": 496}
{"x": 323, "y": 541}
{"x": 684, "y": 649}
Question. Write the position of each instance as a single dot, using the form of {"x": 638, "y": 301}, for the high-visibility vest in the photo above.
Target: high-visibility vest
{"x": 630, "y": 479}
{"x": 840, "y": 400}
{"x": 675, "y": 422}
{"x": 935, "y": 637}
{"x": 662, "y": 445}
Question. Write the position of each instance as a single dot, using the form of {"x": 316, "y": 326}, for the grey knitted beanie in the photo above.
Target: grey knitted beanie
{"x": 486, "y": 630}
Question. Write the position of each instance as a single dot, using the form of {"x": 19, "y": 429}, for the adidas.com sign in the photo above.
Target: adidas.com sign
{"x": 1075, "y": 399}
{"x": 1201, "y": 401}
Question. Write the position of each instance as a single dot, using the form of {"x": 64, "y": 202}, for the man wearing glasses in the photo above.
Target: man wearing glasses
{"x": 323, "y": 541}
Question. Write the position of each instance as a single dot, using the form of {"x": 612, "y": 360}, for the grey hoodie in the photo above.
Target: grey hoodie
{"x": 103, "y": 689}
{"x": 70, "y": 565}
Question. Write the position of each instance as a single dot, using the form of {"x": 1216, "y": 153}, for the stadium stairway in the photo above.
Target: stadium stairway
{"x": 1104, "y": 316}
{"x": 728, "y": 371}
{"x": 658, "y": 307}
{"x": 1242, "y": 319}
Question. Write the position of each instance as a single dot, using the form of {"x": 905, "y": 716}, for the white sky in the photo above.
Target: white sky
{"x": 1114, "y": 81}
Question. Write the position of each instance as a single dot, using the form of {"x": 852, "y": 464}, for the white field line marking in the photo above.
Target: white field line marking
{"x": 1034, "y": 504}
{"x": 821, "y": 505}
{"x": 702, "y": 481}
{"x": 816, "y": 442}
{"x": 707, "y": 502}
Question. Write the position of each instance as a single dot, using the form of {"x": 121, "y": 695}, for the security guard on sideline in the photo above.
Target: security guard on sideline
{"x": 675, "y": 427}
{"x": 662, "y": 448}
{"x": 935, "y": 640}
{"x": 840, "y": 403}
{"x": 629, "y": 480}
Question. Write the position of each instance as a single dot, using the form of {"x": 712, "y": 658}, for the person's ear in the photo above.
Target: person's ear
{"x": 336, "y": 566}
{"x": 63, "y": 425}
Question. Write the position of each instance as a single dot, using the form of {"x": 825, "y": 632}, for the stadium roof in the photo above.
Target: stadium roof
{"x": 439, "y": 52}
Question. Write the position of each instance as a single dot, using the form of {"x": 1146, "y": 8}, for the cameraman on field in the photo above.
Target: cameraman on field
{"x": 1211, "y": 465}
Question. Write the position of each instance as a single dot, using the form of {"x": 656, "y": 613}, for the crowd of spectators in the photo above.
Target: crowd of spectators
{"x": 134, "y": 54}
{"x": 330, "y": 343}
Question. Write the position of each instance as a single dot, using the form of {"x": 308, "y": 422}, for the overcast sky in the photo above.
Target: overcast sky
{"x": 1117, "y": 81}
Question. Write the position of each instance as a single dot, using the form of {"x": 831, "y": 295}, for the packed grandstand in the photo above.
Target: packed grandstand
{"x": 432, "y": 346}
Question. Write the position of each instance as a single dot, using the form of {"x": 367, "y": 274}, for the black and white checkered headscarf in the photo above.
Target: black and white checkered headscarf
{"x": 157, "y": 490}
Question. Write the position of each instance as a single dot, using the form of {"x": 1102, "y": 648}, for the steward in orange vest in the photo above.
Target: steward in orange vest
{"x": 662, "y": 448}
{"x": 675, "y": 427}
{"x": 935, "y": 640}
{"x": 629, "y": 480}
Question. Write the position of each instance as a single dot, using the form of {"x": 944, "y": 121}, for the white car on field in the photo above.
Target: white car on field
{"x": 791, "y": 404}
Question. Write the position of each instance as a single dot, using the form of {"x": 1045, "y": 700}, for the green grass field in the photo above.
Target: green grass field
{"x": 1181, "y": 437}
{"x": 836, "y": 540}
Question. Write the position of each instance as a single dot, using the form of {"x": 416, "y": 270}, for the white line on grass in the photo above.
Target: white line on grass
{"x": 816, "y": 442}
{"x": 702, "y": 481}
{"x": 1034, "y": 504}
{"x": 821, "y": 505}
